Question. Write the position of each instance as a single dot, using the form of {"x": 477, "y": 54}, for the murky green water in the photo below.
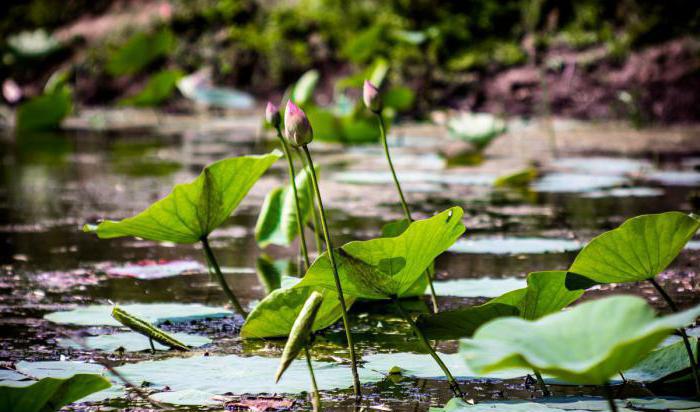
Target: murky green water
{"x": 51, "y": 184}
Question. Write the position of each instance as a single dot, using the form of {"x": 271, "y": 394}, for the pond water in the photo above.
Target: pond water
{"x": 51, "y": 184}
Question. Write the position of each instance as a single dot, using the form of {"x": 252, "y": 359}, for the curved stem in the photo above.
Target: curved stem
{"x": 316, "y": 396}
{"x": 540, "y": 381}
{"x": 220, "y": 277}
{"x": 610, "y": 398}
{"x": 336, "y": 277}
{"x": 453, "y": 382}
{"x": 404, "y": 205}
{"x": 686, "y": 341}
{"x": 293, "y": 183}
{"x": 317, "y": 223}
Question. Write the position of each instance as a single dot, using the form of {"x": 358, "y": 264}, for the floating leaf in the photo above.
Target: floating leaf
{"x": 546, "y": 292}
{"x": 129, "y": 341}
{"x": 186, "y": 397}
{"x": 576, "y": 183}
{"x": 275, "y": 315}
{"x": 477, "y": 128}
{"x": 664, "y": 363}
{"x": 584, "y": 345}
{"x": 156, "y": 313}
{"x": 514, "y": 246}
{"x": 301, "y": 330}
{"x": 193, "y": 210}
{"x": 303, "y": 92}
{"x": 156, "y": 269}
{"x": 639, "y": 249}
{"x": 521, "y": 178}
{"x": 480, "y": 287}
{"x": 45, "y": 112}
{"x": 50, "y": 394}
{"x": 139, "y": 51}
{"x": 459, "y": 405}
{"x": 277, "y": 222}
{"x": 159, "y": 88}
{"x": 385, "y": 267}
{"x": 143, "y": 327}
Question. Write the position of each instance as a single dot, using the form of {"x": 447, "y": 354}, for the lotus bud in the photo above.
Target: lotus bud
{"x": 371, "y": 97}
{"x": 272, "y": 115}
{"x": 300, "y": 332}
{"x": 296, "y": 125}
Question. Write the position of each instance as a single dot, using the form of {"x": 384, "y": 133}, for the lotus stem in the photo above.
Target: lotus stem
{"x": 404, "y": 205}
{"x": 609, "y": 397}
{"x": 453, "y": 382}
{"x": 686, "y": 341}
{"x": 336, "y": 277}
{"x": 314, "y": 212}
{"x": 292, "y": 181}
{"x": 220, "y": 277}
{"x": 315, "y": 396}
{"x": 540, "y": 381}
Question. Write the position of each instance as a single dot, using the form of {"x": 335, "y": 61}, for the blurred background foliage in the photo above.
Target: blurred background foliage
{"x": 262, "y": 46}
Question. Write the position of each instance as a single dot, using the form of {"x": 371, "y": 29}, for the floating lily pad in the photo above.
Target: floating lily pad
{"x": 663, "y": 362}
{"x": 239, "y": 375}
{"x": 482, "y": 287}
{"x": 156, "y": 269}
{"x": 576, "y": 183}
{"x": 675, "y": 178}
{"x": 95, "y": 315}
{"x": 514, "y": 246}
{"x": 603, "y": 165}
{"x": 584, "y": 345}
{"x": 186, "y": 397}
{"x": 200, "y": 88}
{"x": 130, "y": 341}
{"x": 459, "y": 405}
{"x": 408, "y": 178}
{"x": 625, "y": 192}
{"x": 477, "y": 128}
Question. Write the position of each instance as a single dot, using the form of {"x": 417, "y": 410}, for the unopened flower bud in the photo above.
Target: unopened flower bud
{"x": 296, "y": 125}
{"x": 371, "y": 97}
{"x": 272, "y": 115}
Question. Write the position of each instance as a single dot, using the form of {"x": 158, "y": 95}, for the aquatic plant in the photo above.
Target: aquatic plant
{"x": 273, "y": 118}
{"x": 638, "y": 250}
{"x": 388, "y": 267}
{"x": 50, "y": 394}
{"x": 146, "y": 329}
{"x": 299, "y": 132}
{"x": 583, "y": 345}
{"x": 193, "y": 210}
{"x": 479, "y": 129}
{"x": 300, "y": 337}
{"x": 47, "y": 111}
{"x": 373, "y": 101}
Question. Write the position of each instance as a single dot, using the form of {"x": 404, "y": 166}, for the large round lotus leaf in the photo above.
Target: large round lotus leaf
{"x": 482, "y": 287}
{"x": 130, "y": 342}
{"x": 50, "y": 394}
{"x": 663, "y": 362}
{"x": 155, "y": 313}
{"x": 587, "y": 344}
{"x": 639, "y": 249}
{"x": 239, "y": 375}
{"x": 424, "y": 366}
{"x": 66, "y": 369}
{"x": 514, "y": 246}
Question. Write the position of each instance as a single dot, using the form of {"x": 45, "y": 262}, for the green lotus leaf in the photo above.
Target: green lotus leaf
{"x": 639, "y": 249}
{"x": 50, "y": 394}
{"x": 545, "y": 293}
{"x": 669, "y": 362}
{"x": 193, "y": 210}
{"x": 275, "y": 315}
{"x": 159, "y": 88}
{"x": 303, "y": 91}
{"x": 301, "y": 330}
{"x": 587, "y": 344}
{"x": 277, "y": 222}
{"x": 382, "y": 268}
{"x": 45, "y": 112}
{"x": 521, "y": 178}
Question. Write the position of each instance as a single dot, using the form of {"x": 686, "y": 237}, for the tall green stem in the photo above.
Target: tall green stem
{"x": 314, "y": 212}
{"x": 220, "y": 277}
{"x": 316, "y": 396}
{"x": 686, "y": 341}
{"x": 404, "y": 205}
{"x": 453, "y": 382}
{"x": 292, "y": 181}
{"x": 338, "y": 286}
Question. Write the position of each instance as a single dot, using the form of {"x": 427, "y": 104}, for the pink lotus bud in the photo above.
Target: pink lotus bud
{"x": 371, "y": 97}
{"x": 297, "y": 126}
{"x": 272, "y": 115}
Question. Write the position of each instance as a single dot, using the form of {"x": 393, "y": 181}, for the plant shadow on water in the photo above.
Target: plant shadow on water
{"x": 51, "y": 184}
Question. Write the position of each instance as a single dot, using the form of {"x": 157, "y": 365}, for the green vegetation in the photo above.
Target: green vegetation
{"x": 50, "y": 394}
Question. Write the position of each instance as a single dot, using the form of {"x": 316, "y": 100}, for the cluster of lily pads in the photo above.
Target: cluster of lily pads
{"x": 526, "y": 329}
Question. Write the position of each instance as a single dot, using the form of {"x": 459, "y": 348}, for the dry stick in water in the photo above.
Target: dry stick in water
{"x": 220, "y": 277}
{"x": 681, "y": 331}
{"x": 453, "y": 382}
{"x": 373, "y": 102}
{"x": 338, "y": 286}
